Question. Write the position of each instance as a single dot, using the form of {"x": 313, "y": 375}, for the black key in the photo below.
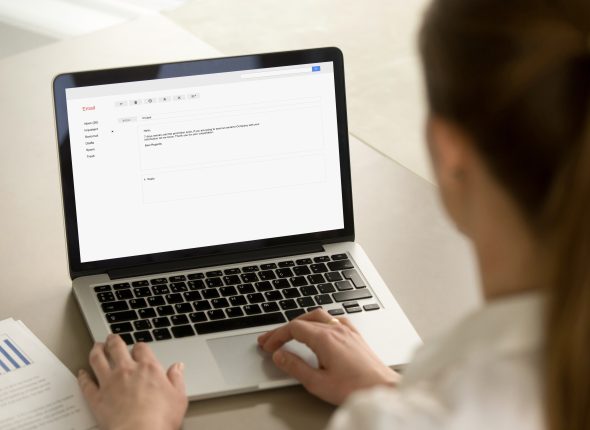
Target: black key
{"x": 267, "y": 275}
{"x": 344, "y": 285}
{"x": 291, "y": 293}
{"x": 160, "y": 289}
{"x": 102, "y": 288}
{"x": 252, "y": 309}
{"x": 158, "y": 281}
{"x": 121, "y": 327}
{"x": 105, "y": 297}
{"x": 237, "y": 300}
{"x": 340, "y": 265}
{"x": 333, "y": 276}
{"x": 321, "y": 259}
{"x": 228, "y": 291}
{"x": 142, "y": 292}
{"x": 246, "y": 288}
{"x": 301, "y": 270}
{"x": 220, "y": 303}
{"x": 161, "y": 322}
{"x": 115, "y": 317}
{"x": 214, "y": 274}
{"x": 310, "y": 290}
{"x": 121, "y": 286}
{"x": 345, "y": 296}
{"x": 234, "y": 312}
{"x": 165, "y": 310}
{"x": 316, "y": 279}
{"x": 354, "y": 277}
{"x": 231, "y": 280}
{"x": 174, "y": 298}
{"x": 127, "y": 338}
{"x": 339, "y": 257}
{"x": 182, "y": 331}
{"x": 161, "y": 334}
{"x": 281, "y": 283}
{"x": 292, "y": 314}
{"x": 270, "y": 307}
{"x": 146, "y": 313}
{"x": 196, "y": 285}
{"x": 238, "y": 323}
{"x": 192, "y": 296}
{"x": 214, "y": 282}
{"x": 288, "y": 304}
{"x": 353, "y": 309}
{"x": 197, "y": 317}
{"x": 232, "y": 271}
{"x": 138, "y": 304}
{"x": 326, "y": 288}
{"x": 215, "y": 314}
{"x": 268, "y": 266}
{"x": 337, "y": 311}
{"x": 143, "y": 283}
{"x": 299, "y": 281}
{"x": 201, "y": 305}
{"x": 304, "y": 261}
{"x": 318, "y": 268}
{"x": 371, "y": 307}
{"x": 156, "y": 301}
{"x": 255, "y": 298}
{"x": 114, "y": 306}
{"x": 305, "y": 302}
{"x": 249, "y": 277}
{"x": 263, "y": 286}
{"x": 287, "y": 263}
{"x": 142, "y": 325}
{"x": 349, "y": 304}
{"x": 250, "y": 269}
{"x": 284, "y": 273}
{"x": 323, "y": 299}
{"x": 178, "y": 287}
{"x": 123, "y": 294}
{"x": 210, "y": 294}
{"x": 183, "y": 308}
{"x": 179, "y": 319}
{"x": 194, "y": 276}
{"x": 274, "y": 295}
{"x": 177, "y": 278}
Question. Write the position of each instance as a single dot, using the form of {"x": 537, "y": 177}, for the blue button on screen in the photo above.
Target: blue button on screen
{"x": 315, "y": 68}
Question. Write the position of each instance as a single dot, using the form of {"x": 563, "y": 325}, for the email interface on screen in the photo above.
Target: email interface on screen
{"x": 171, "y": 164}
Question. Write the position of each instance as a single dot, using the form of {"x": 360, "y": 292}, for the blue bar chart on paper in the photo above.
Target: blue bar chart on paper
{"x": 12, "y": 357}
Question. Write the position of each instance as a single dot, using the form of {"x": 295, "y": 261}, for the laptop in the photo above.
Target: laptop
{"x": 209, "y": 201}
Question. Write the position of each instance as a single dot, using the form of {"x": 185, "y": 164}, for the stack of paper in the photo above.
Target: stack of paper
{"x": 36, "y": 390}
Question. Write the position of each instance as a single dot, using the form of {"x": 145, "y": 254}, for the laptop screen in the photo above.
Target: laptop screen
{"x": 195, "y": 161}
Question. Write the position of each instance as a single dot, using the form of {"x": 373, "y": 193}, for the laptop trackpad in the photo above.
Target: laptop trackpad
{"x": 241, "y": 361}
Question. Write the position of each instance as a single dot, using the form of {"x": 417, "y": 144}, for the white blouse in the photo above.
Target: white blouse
{"x": 483, "y": 374}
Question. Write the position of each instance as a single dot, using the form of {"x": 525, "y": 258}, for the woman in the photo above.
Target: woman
{"x": 508, "y": 87}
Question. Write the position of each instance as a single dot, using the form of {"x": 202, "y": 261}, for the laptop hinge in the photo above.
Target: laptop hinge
{"x": 214, "y": 260}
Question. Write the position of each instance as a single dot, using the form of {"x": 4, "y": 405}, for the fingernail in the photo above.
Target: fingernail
{"x": 279, "y": 357}
{"x": 180, "y": 366}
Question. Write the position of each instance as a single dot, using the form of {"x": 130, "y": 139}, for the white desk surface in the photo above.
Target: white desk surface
{"x": 398, "y": 222}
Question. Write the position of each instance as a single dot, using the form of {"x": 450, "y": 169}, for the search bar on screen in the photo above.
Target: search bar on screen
{"x": 280, "y": 72}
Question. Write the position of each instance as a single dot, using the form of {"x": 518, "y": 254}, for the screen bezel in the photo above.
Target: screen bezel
{"x": 189, "y": 68}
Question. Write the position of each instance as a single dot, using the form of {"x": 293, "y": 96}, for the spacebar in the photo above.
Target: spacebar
{"x": 237, "y": 323}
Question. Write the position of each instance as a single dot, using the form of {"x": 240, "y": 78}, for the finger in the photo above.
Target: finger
{"x": 99, "y": 363}
{"x": 347, "y": 323}
{"x": 298, "y": 329}
{"x": 295, "y": 367}
{"x": 117, "y": 351}
{"x": 87, "y": 386}
{"x": 317, "y": 315}
{"x": 176, "y": 376}
{"x": 142, "y": 353}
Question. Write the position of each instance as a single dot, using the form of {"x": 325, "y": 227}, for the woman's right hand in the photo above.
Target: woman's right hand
{"x": 346, "y": 362}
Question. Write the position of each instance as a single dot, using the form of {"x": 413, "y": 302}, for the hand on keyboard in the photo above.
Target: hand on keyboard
{"x": 133, "y": 390}
{"x": 346, "y": 363}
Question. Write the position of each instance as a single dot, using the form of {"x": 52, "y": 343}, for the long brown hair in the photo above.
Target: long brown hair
{"x": 515, "y": 75}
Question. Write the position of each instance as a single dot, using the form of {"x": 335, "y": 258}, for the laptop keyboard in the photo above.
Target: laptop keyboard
{"x": 203, "y": 302}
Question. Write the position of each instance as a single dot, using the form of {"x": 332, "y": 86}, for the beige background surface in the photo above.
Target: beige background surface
{"x": 399, "y": 223}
